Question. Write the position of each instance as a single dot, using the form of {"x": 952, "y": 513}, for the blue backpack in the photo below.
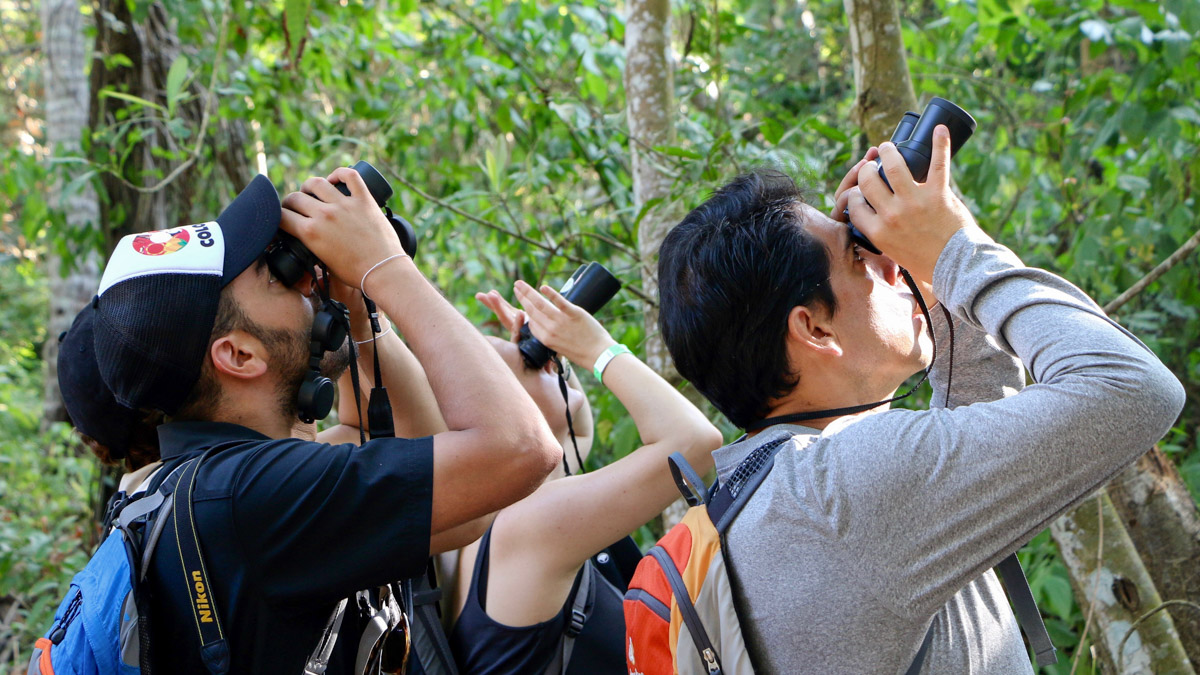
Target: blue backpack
{"x": 102, "y": 626}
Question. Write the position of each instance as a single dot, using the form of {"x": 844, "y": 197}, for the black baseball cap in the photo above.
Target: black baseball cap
{"x": 158, "y": 298}
{"x": 91, "y": 406}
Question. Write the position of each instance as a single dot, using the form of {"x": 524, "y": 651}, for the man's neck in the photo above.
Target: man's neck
{"x": 799, "y": 401}
{"x": 267, "y": 425}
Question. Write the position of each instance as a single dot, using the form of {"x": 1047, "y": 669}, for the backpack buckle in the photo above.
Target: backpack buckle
{"x": 575, "y": 624}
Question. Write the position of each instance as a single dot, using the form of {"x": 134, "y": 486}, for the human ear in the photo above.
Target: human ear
{"x": 812, "y": 331}
{"x": 238, "y": 355}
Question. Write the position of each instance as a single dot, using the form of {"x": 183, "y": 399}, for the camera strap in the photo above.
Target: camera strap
{"x": 851, "y": 410}
{"x": 562, "y": 386}
{"x": 379, "y": 407}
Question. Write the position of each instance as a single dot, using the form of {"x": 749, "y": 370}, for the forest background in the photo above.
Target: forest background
{"x": 524, "y": 138}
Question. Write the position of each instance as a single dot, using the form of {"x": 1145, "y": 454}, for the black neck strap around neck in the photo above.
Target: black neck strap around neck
{"x": 851, "y": 410}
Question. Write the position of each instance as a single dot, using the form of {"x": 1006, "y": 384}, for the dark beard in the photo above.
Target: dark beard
{"x": 289, "y": 352}
{"x": 334, "y": 363}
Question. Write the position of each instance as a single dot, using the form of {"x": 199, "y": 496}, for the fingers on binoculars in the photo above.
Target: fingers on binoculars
{"x": 530, "y": 299}
{"x": 300, "y": 204}
{"x": 899, "y": 177}
{"x": 320, "y": 188}
{"x": 871, "y": 186}
{"x": 939, "y": 163}
{"x": 557, "y": 298}
{"x": 842, "y": 202}
{"x": 352, "y": 179}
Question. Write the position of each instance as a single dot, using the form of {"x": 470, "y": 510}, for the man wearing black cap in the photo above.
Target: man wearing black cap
{"x": 191, "y": 322}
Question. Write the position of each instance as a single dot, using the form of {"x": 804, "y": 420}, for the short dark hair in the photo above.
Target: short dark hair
{"x": 729, "y": 274}
{"x": 205, "y": 397}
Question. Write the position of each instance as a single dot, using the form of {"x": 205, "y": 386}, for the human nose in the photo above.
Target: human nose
{"x": 887, "y": 269}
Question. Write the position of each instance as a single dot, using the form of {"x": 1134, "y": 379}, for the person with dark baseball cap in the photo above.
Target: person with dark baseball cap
{"x": 192, "y": 323}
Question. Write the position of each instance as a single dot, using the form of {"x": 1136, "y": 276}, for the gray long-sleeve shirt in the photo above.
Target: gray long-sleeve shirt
{"x": 864, "y": 531}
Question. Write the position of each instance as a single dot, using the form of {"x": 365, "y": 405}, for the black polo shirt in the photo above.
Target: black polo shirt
{"x": 288, "y": 528}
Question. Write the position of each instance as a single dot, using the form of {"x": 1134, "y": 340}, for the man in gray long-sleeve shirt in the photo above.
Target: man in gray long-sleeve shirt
{"x": 871, "y": 526}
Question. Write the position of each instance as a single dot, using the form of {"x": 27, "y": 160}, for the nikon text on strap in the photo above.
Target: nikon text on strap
{"x": 214, "y": 650}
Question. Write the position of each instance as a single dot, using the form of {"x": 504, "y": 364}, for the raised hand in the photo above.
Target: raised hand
{"x": 562, "y": 326}
{"x": 348, "y": 233}
{"x": 911, "y": 224}
{"x": 510, "y": 317}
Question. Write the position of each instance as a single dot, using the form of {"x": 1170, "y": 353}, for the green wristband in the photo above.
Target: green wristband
{"x": 607, "y": 356}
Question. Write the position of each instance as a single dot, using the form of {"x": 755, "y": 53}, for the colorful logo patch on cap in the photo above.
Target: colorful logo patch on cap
{"x": 161, "y": 242}
{"x": 191, "y": 249}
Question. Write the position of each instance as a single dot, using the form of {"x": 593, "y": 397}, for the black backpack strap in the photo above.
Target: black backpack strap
{"x": 729, "y": 498}
{"x": 585, "y": 595}
{"x": 691, "y": 619}
{"x": 430, "y": 645}
{"x": 690, "y": 485}
{"x": 214, "y": 650}
{"x": 1025, "y": 607}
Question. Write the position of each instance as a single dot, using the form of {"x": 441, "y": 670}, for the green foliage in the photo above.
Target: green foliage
{"x": 502, "y": 127}
{"x": 46, "y": 525}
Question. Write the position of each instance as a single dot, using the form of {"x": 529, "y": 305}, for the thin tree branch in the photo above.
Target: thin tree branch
{"x": 541, "y": 90}
{"x": 1163, "y": 267}
{"x": 1012, "y": 208}
{"x": 209, "y": 103}
{"x": 556, "y": 249}
{"x": 1140, "y": 619}
{"x": 21, "y": 49}
{"x": 474, "y": 218}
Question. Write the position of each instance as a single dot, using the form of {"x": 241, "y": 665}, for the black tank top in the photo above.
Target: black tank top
{"x": 483, "y": 646}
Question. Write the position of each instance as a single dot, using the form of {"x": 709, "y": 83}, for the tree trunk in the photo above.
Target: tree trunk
{"x": 1161, "y": 517}
{"x": 150, "y": 46}
{"x": 1115, "y": 589}
{"x": 71, "y": 285}
{"x": 882, "y": 82}
{"x": 649, "y": 96}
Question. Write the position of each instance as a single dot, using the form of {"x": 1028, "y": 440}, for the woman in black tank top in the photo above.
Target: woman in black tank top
{"x": 544, "y": 564}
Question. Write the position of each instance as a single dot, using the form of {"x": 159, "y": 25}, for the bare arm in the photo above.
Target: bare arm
{"x": 539, "y": 543}
{"x": 498, "y": 447}
{"x": 414, "y": 407}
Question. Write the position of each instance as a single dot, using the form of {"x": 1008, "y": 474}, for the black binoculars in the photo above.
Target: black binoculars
{"x": 289, "y": 259}
{"x": 590, "y": 287}
{"x": 913, "y": 137}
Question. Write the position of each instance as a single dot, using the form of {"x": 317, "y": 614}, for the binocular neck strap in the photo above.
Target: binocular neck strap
{"x": 379, "y": 407}
{"x": 854, "y": 409}
{"x": 562, "y": 386}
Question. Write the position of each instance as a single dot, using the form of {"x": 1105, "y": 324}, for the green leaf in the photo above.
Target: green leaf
{"x": 828, "y": 131}
{"x": 676, "y": 151}
{"x": 296, "y": 14}
{"x": 772, "y": 131}
{"x": 136, "y": 100}
{"x": 176, "y": 77}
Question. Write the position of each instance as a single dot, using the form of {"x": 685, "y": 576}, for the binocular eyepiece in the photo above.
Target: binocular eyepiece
{"x": 289, "y": 259}
{"x": 913, "y": 137}
{"x": 590, "y": 287}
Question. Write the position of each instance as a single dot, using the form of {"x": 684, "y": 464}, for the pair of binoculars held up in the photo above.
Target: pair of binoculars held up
{"x": 289, "y": 259}
{"x": 913, "y": 137}
{"x": 590, "y": 287}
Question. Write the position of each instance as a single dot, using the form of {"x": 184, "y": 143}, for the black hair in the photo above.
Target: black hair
{"x": 729, "y": 274}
